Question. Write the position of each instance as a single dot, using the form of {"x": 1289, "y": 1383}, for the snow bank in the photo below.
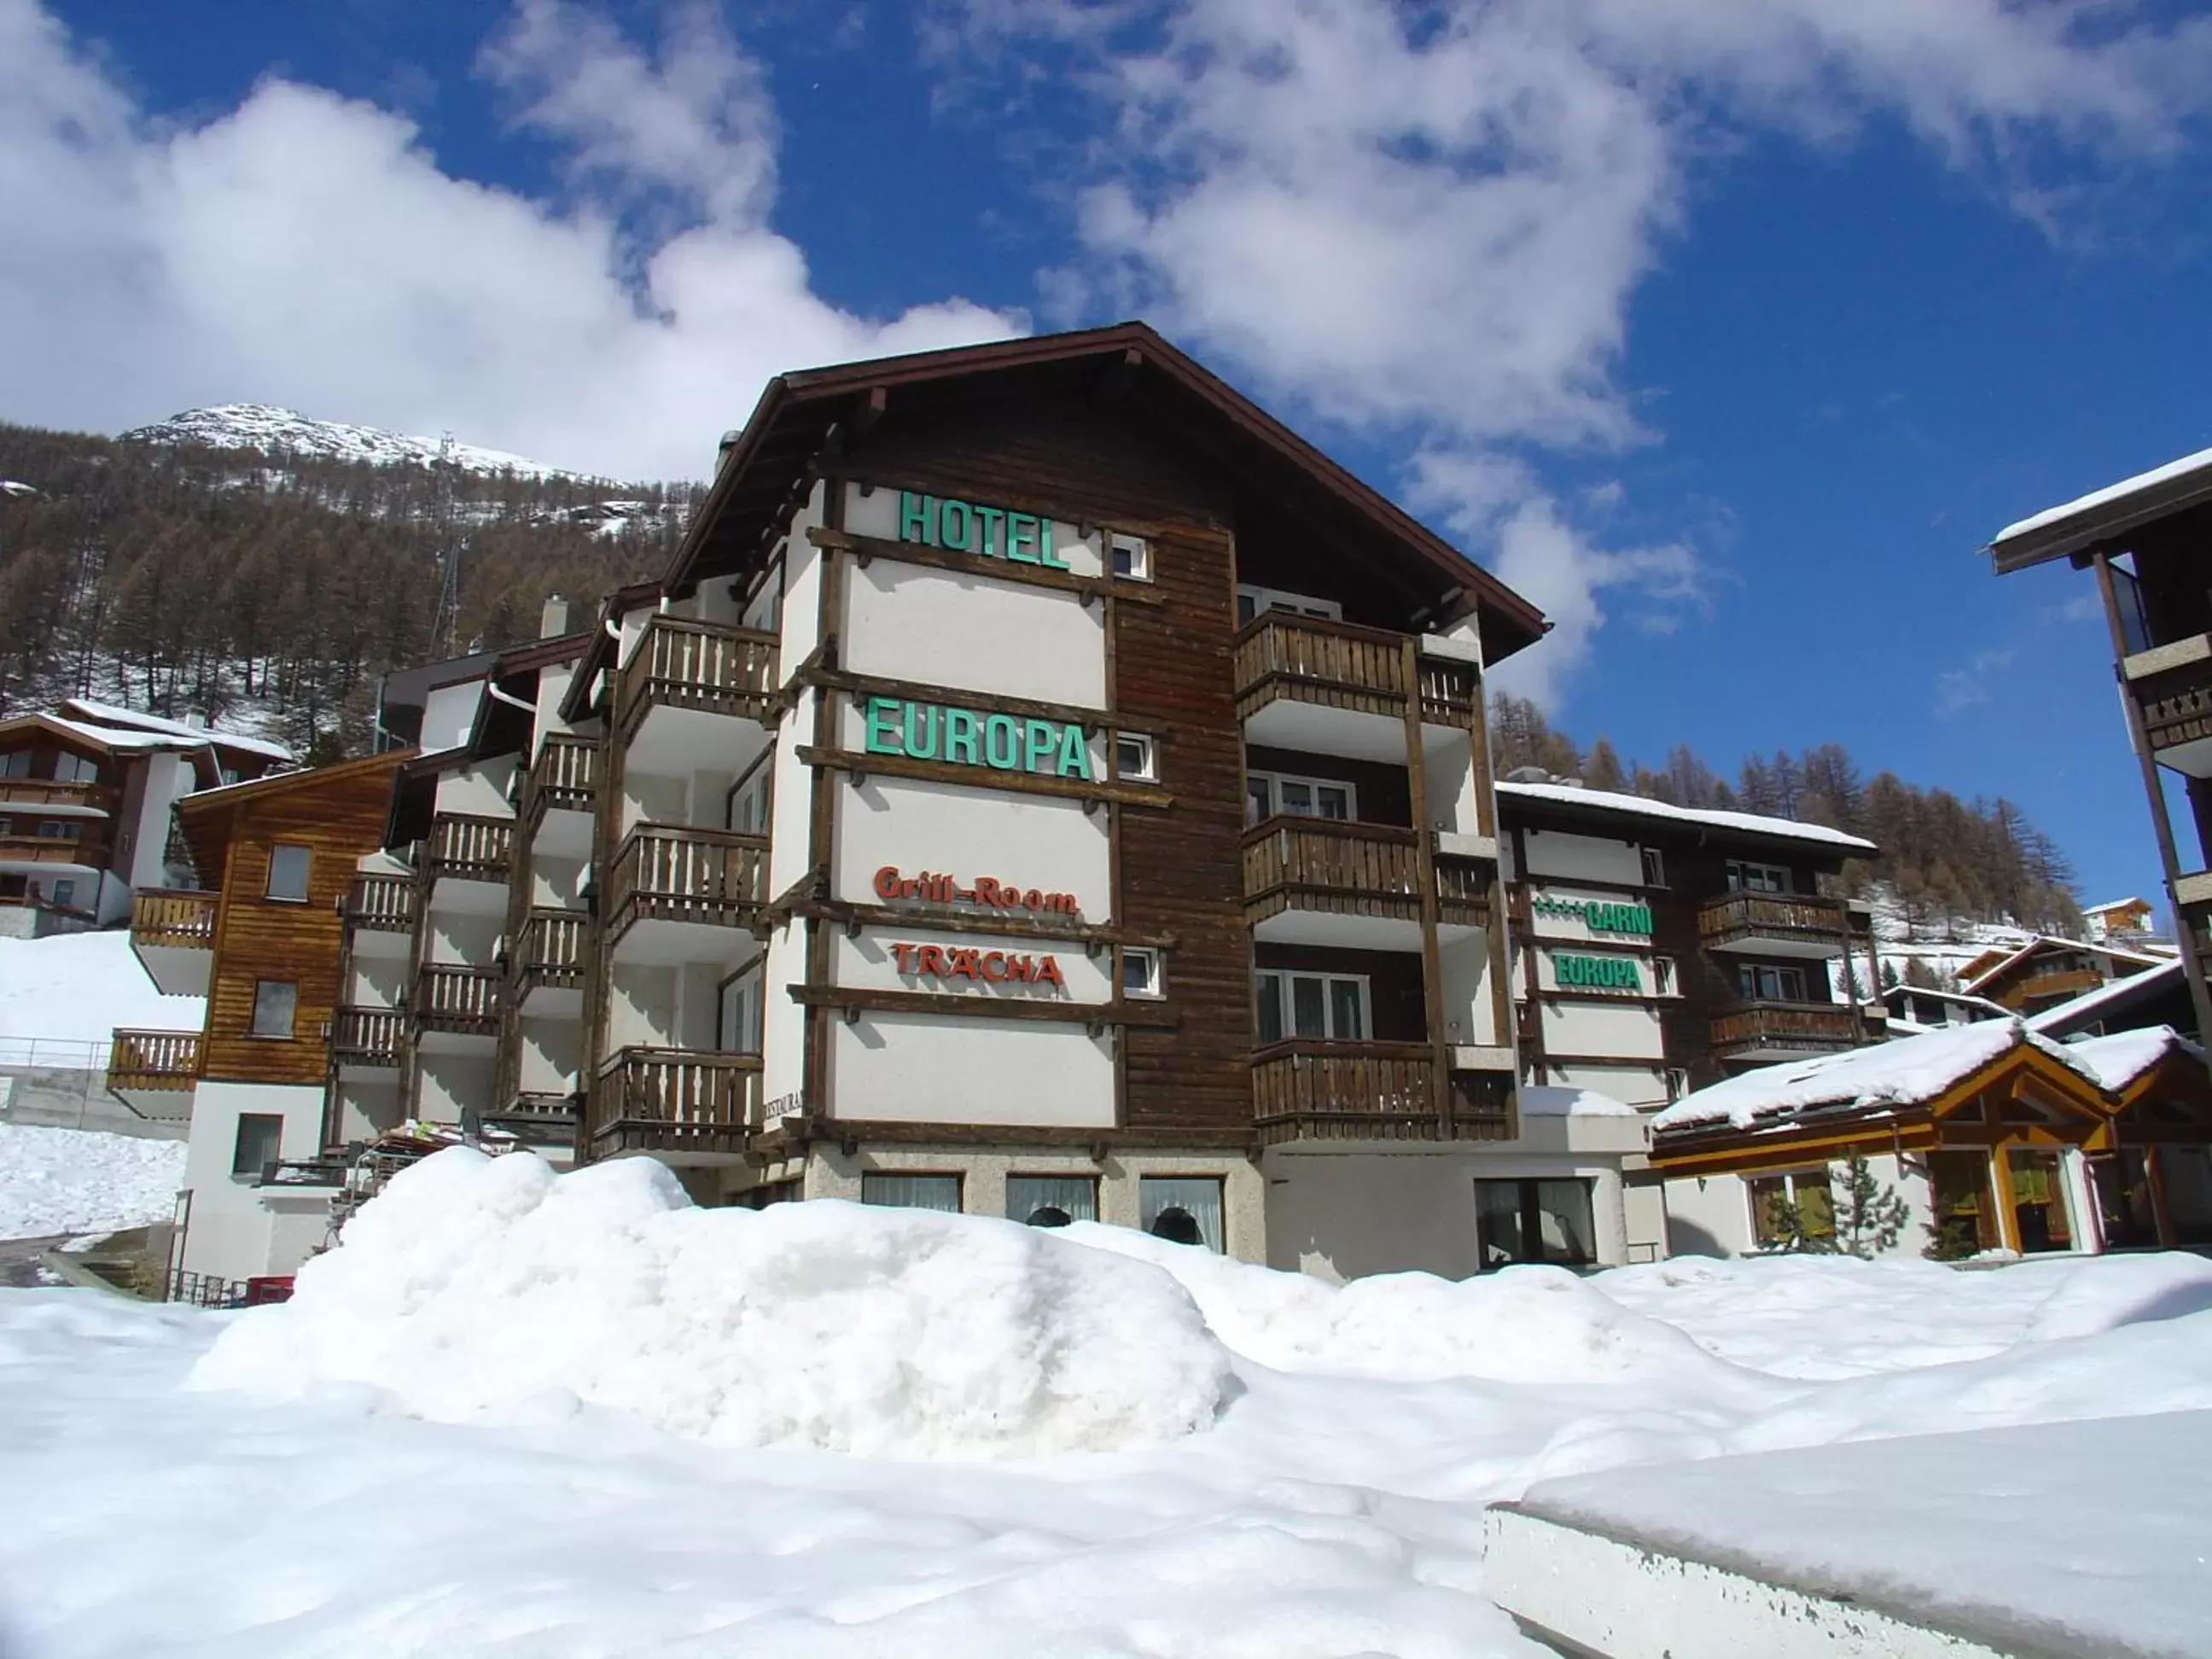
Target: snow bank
{"x": 79, "y": 1181}
{"x": 1523, "y": 1325}
{"x": 77, "y": 988}
{"x": 477, "y": 1287}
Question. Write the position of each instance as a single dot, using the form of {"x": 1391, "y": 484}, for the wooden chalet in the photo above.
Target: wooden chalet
{"x": 2046, "y": 972}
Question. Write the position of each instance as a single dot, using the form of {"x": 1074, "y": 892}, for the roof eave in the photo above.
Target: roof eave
{"x": 2099, "y": 528}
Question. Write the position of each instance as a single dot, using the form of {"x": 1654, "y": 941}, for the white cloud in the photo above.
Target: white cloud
{"x": 1958, "y": 689}
{"x": 1425, "y": 225}
{"x": 306, "y": 249}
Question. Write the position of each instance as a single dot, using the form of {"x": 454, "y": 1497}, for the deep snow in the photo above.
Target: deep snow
{"x": 77, "y": 1181}
{"x": 76, "y": 989}
{"x": 1332, "y": 1509}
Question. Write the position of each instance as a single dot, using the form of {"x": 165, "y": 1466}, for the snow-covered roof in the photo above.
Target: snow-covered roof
{"x": 1996, "y": 1010}
{"x": 2090, "y": 1006}
{"x": 1546, "y": 1100}
{"x": 2120, "y": 1059}
{"x": 110, "y": 713}
{"x": 2116, "y": 904}
{"x": 2046, "y": 942}
{"x": 1906, "y": 1073}
{"x": 2172, "y": 471}
{"x": 1645, "y": 807}
{"x": 114, "y": 738}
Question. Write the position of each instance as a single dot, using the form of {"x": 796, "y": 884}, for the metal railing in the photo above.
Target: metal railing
{"x": 713, "y": 876}
{"x": 684, "y": 664}
{"x": 175, "y": 918}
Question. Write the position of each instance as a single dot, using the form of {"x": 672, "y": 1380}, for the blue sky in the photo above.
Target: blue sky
{"x": 1729, "y": 333}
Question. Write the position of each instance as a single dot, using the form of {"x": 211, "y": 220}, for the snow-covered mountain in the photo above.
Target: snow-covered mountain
{"x": 276, "y": 431}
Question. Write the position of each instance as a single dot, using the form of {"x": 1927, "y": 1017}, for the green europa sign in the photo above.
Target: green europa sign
{"x": 992, "y": 533}
{"x": 975, "y": 737}
{"x": 1599, "y": 916}
{"x": 1595, "y": 973}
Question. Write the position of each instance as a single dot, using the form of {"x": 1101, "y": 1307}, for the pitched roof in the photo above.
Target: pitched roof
{"x": 2045, "y": 942}
{"x": 1643, "y": 806}
{"x": 2081, "y": 525}
{"x": 107, "y": 714}
{"x": 797, "y": 411}
{"x": 2114, "y": 997}
{"x": 2119, "y": 1059}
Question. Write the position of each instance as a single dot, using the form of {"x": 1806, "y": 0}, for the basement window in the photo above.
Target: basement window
{"x": 1518, "y": 1221}
{"x": 912, "y": 1192}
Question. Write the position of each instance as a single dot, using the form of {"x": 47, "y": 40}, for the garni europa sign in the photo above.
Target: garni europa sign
{"x": 975, "y": 737}
{"x": 932, "y": 888}
{"x": 1599, "y": 916}
{"x": 1595, "y": 973}
{"x": 945, "y": 962}
{"x": 992, "y": 533}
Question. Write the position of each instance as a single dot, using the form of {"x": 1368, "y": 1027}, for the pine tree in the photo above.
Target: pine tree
{"x": 1602, "y": 770}
{"x": 1870, "y": 1217}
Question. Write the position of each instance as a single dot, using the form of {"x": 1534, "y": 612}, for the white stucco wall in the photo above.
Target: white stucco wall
{"x": 447, "y": 714}
{"x": 230, "y": 1232}
{"x": 1557, "y": 853}
{"x": 876, "y": 513}
{"x": 920, "y": 1069}
{"x": 908, "y": 622}
{"x": 1627, "y": 1029}
{"x": 1034, "y": 841}
{"x": 481, "y": 791}
{"x": 783, "y": 1022}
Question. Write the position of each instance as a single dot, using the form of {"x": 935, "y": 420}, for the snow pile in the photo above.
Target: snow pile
{"x": 475, "y": 1288}
{"x": 1904, "y": 1072}
{"x": 77, "y": 1181}
{"x": 2120, "y": 1059}
{"x": 76, "y": 988}
{"x": 1523, "y": 1325}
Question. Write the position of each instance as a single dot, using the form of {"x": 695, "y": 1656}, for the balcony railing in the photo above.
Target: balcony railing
{"x": 173, "y": 918}
{"x": 1793, "y": 920}
{"x": 154, "y": 1061}
{"x": 564, "y": 778}
{"x": 714, "y": 877}
{"x": 709, "y": 666}
{"x": 28, "y": 794}
{"x": 380, "y": 903}
{"x": 673, "y": 1100}
{"x": 1354, "y": 869}
{"x": 2176, "y": 701}
{"x": 551, "y": 956}
{"x": 1371, "y": 1091}
{"x": 1785, "y": 1027}
{"x": 461, "y": 1001}
{"x": 366, "y": 1036}
{"x": 1344, "y": 665}
{"x": 76, "y": 848}
{"x": 463, "y": 847}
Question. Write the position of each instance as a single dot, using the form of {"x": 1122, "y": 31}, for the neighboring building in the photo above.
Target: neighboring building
{"x": 2148, "y": 540}
{"x": 85, "y": 796}
{"x": 2046, "y": 972}
{"x": 1996, "y": 1137}
{"x": 2122, "y": 922}
{"x": 1913, "y": 1008}
{"x": 260, "y": 939}
{"x": 2156, "y": 996}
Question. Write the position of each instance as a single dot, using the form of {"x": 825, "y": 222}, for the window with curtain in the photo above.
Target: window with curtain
{"x": 1052, "y": 1200}
{"x": 1807, "y": 1192}
{"x": 1183, "y": 1209}
{"x": 1521, "y": 1221}
{"x": 913, "y": 1192}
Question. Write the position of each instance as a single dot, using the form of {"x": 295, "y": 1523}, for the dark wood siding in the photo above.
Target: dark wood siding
{"x": 257, "y": 938}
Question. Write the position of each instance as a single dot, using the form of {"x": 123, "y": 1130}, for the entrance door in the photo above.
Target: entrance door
{"x": 2039, "y": 1201}
{"x": 1959, "y": 1184}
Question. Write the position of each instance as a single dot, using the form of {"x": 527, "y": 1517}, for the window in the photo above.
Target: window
{"x": 1663, "y": 976}
{"x": 1678, "y": 1084}
{"x": 1744, "y": 877}
{"x": 1758, "y": 981}
{"x": 1655, "y": 867}
{"x": 913, "y": 1192}
{"x": 1332, "y": 1007}
{"x": 1140, "y": 972}
{"x": 275, "y": 1001}
{"x": 64, "y": 893}
{"x": 1518, "y": 1221}
{"x": 58, "y": 830}
{"x": 747, "y": 811}
{"x": 287, "y": 872}
{"x": 739, "y": 1023}
{"x": 7, "y": 826}
{"x": 17, "y": 765}
{"x": 260, "y": 1143}
{"x": 1251, "y": 601}
{"x": 1269, "y": 794}
{"x": 1052, "y": 1200}
{"x": 1182, "y": 1209}
{"x": 1132, "y": 556}
{"x": 75, "y": 768}
{"x": 1775, "y": 1197}
{"x": 1135, "y": 756}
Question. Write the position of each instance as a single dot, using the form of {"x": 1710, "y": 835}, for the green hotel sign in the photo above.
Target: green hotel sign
{"x": 975, "y": 737}
{"x": 992, "y": 533}
{"x": 1595, "y": 973}
{"x": 1599, "y": 916}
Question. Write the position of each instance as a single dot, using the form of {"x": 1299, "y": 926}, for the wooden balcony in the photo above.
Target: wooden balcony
{"x": 550, "y": 952}
{"x": 366, "y": 1036}
{"x": 1318, "y": 1090}
{"x": 1338, "y": 868}
{"x": 380, "y": 903}
{"x": 674, "y": 1101}
{"x": 28, "y": 795}
{"x": 86, "y": 847}
{"x": 2172, "y": 685}
{"x": 463, "y": 847}
{"x": 711, "y": 667}
{"x": 456, "y": 1001}
{"x": 153, "y": 1062}
{"x": 1781, "y": 925}
{"x": 1785, "y": 1030}
{"x": 174, "y": 919}
{"x": 564, "y": 778}
{"x": 1335, "y": 664}
{"x": 707, "y": 877}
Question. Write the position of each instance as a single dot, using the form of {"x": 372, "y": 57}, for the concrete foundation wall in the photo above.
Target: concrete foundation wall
{"x": 68, "y": 1098}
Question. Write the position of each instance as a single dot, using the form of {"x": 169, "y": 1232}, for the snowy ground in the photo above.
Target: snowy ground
{"x": 77, "y": 988}
{"x": 1327, "y": 1503}
{"x": 76, "y": 1181}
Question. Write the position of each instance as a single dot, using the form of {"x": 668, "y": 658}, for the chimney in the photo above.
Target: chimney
{"x": 722, "y": 450}
{"x": 553, "y": 621}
